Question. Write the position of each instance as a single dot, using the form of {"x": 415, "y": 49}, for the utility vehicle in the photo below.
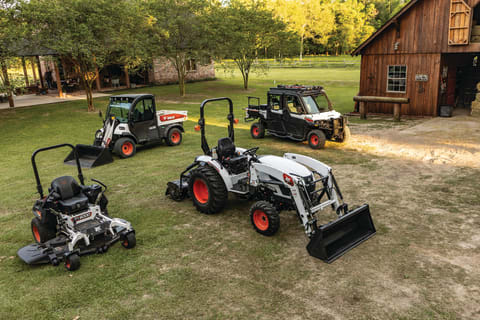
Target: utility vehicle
{"x": 72, "y": 220}
{"x": 292, "y": 182}
{"x": 131, "y": 119}
{"x": 299, "y": 113}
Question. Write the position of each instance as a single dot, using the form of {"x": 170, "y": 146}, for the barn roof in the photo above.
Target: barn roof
{"x": 387, "y": 24}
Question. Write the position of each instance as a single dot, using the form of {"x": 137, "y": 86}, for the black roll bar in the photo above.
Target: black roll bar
{"x": 35, "y": 170}
{"x": 201, "y": 122}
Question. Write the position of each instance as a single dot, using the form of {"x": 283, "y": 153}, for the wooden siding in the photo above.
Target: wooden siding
{"x": 460, "y": 23}
{"x": 424, "y": 28}
{"x": 423, "y": 95}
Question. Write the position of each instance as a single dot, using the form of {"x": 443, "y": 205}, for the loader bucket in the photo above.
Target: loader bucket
{"x": 334, "y": 239}
{"x": 89, "y": 156}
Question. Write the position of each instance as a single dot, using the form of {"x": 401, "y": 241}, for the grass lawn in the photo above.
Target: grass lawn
{"x": 189, "y": 265}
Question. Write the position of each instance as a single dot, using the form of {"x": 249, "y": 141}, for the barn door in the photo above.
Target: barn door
{"x": 460, "y": 23}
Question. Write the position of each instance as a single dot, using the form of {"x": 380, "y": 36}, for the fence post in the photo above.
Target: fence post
{"x": 363, "y": 110}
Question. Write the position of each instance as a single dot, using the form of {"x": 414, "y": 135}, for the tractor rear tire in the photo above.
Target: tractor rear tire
{"x": 125, "y": 148}
{"x": 42, "y": 232}
{"x": 257, "y": 130}
{"x": 316, "y": 139}
{"x": 207, "y": 190}
{"x": 174, "y": 137}
{"x": 265, "y": 218}
{"x": 72, "y": 262}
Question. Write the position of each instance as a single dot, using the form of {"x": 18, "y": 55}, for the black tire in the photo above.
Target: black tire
{"x": 207, "y": 190}
{"x": 316, "y": 139}
{"x": 265, "y": 218}
{"x": 125, "y": 148}
{"x": 174, "y": 137}
{"x": 72, "y": 262}
{"x": 346, "y": 135}
{"x": 130, "y": 241}
{"x": 42, "y": 232}
{"x": 257, "y": 130}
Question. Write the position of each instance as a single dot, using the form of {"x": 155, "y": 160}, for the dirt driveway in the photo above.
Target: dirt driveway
{"x": 454, "y": 141}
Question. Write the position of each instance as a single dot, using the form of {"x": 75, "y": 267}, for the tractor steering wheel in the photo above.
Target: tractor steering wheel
{"x": 251, "y": 151}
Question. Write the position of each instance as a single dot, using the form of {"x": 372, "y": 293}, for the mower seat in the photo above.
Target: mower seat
{"x": 72, "y": 198}
{"x": 227, "y": 156}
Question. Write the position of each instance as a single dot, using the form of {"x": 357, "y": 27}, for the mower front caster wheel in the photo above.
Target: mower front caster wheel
{"x": 265, "y": 218}
{"x": 129, "y": 241}
{"x": 41, "y": 232}
{"x": 72, "y": 262}
{"x": 125, "y": 148}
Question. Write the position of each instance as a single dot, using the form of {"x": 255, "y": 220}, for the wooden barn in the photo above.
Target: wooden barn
{"x": 429, "y": 52}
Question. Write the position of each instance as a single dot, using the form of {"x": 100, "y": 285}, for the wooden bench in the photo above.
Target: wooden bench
{"x": 397, "y": 104}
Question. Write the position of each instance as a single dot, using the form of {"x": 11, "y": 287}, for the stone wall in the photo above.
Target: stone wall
{"x": 164, "y": 72}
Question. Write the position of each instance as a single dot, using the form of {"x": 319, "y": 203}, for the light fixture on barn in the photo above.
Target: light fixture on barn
{"x": 395, "y": 45}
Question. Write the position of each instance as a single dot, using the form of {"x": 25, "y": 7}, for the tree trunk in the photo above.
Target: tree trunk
{"x": 179, "y": 64}
{"x": 301, "y": 47}
{"x": 88, "y": 90}
{"x": 25, "y": 72}
{"x": 245, "y": 78}
{"x": 6, "y": 81}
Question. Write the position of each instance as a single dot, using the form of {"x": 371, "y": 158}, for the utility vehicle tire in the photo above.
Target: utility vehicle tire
{"x": 316, "y": 139}
{"x": 130, "y": 241}
{"x": 346, "y": 135}
{"x": 125, "y": 148}
{"x": 72, "y": 262}
{"x": 265, "y": 218}
{"x": 257, "y": 130}
{"x": 42, "y": 232}
{"x": 174, "y": 137}
{"x": 207, "y": 190}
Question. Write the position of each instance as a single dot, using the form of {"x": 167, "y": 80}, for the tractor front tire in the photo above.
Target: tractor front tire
{"x": 316, "y": 139}
{"x": 265, "y": 218}
{"x": 174, "y": 137}
{"x": 257, "y": 130}
{"x": 72, "y": 262}
{"x": 42, "y": 232}
{"x": 207, "y": 190}
{"x": 125, "y": 148}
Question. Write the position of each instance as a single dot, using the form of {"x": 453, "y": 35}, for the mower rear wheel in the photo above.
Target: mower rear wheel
{"x": 265, "y": 218}
{"x": 41, "y": 232}
{"x": 257, "y": 130}
{"x": 130, "y": 241}
{"x": 72, "y": 262}
{"x": 125, "y": 148}
{"x": 174, "y": 137}
{"x": 207, "y": 190}
{"x": 316, "y": 139}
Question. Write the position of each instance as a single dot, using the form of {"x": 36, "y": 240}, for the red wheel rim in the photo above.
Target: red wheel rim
{"x": 314, "y": 139}
{"x": 256, "y": 131}
{"x": 36, "y": 234}
{"x": 127, "y": 148}
{"x": 260, "y": 219}
{"x": 175, "y": 137}
{"x": 200, "y": 190}
{"x": 67, "y": 264}
{"x": 125, "y": 243}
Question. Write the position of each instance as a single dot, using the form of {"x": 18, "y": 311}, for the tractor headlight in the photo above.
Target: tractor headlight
{"x": 98, "y": 134}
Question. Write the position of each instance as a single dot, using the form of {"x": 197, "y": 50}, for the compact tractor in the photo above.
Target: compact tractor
{"x": 72, "y": 221}
{"x": 292, "y": 182}
{"x": 299, "y": 113}
{"x": 131, "y": 119}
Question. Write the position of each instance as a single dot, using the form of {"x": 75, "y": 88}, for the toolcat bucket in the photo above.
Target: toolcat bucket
{"x": 89, "y": 156}
{"x": 334, "y": 239}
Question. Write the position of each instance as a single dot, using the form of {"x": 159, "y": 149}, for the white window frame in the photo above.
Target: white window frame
{"x": 406, "y": 77}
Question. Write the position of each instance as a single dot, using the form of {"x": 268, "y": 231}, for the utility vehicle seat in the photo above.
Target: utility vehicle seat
{"x": 227, "y": 156}
{"x": 72, "y": 198}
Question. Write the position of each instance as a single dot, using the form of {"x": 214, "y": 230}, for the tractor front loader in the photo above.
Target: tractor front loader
{"x": 275, "y": 183}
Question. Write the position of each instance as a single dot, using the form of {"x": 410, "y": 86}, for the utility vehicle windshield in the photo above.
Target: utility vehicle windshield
{"x": 315, "y": 105}
{"x": 119, "y": 110}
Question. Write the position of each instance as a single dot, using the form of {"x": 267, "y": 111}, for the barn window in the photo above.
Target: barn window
{"x": 397, "y": 79}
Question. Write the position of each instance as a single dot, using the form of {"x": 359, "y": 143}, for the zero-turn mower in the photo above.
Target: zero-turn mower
{"x": 292, "y": 182}
{"x": 72, "y": 221}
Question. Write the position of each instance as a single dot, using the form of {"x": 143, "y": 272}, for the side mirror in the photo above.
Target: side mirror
{"x": 100, "y": 114}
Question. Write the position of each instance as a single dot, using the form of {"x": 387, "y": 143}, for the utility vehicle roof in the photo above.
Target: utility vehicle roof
{"x": 297, "y": 89}
{"x": 131, "y": 96}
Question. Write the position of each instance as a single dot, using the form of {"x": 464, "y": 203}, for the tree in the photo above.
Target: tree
{"x": 244, "y": 29}
{"x": 11, "y": 30}
{"x": 89, "y": 34}
{"x": 176, "y": 30}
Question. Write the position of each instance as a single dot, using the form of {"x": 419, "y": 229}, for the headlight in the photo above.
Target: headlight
{"x": 98, "y": 134}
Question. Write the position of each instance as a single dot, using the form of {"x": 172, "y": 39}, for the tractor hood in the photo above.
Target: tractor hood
{"x": 324, "y": 115}
{"x": 285, "y": 165}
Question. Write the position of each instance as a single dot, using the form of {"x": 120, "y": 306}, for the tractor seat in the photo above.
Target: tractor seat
{"x": 71, "y": 194}
{"x": 227, "y": 156}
